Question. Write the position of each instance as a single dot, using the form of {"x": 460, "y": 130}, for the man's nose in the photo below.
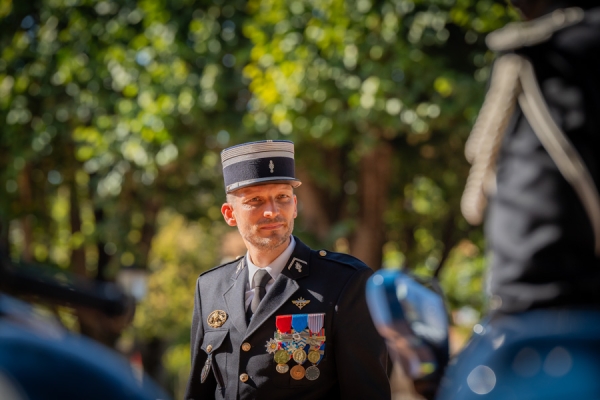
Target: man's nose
{"x": 271, "y": 209}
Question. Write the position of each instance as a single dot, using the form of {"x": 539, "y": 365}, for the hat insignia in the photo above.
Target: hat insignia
{"x": 271, "y": 166}
{"x": 216, "y": 318}
{"x": 300, "y": 302}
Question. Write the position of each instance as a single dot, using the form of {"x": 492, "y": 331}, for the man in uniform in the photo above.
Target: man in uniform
{"x": 285, "y": 321}
{"x": 537, "y": 139}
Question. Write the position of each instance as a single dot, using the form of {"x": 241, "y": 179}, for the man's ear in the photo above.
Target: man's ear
{"x": 228, "y": 214}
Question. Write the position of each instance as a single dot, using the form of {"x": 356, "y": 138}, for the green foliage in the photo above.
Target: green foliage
{"x": 180, "y": 252}
{"x": 349, "y": 75}
{"x": 126, "y": 99}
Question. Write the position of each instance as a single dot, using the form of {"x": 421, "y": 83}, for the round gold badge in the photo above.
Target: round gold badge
{"x": 314, "y": 357}
{"x": 297, "y": 372}
{"x": 216, "y": 318}
{"x": 281, "y": 357}
{"x": 299, "y": 356}
{"x": 282, "y": 368}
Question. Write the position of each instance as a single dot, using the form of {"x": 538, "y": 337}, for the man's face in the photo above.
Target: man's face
{"x": 264, "y": 214}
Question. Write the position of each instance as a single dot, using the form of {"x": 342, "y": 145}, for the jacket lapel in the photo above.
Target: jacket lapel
{"x": 235, "y": 296}
{"x": 284, "y": 287}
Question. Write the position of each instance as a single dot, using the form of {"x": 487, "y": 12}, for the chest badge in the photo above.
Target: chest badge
{"x": 216, "y": 318}
{"x": 300, "y": 303}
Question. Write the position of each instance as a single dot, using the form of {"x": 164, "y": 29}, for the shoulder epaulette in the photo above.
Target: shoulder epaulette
{"x": 529, "y": 33}
{"x": 222, "y": 265}
{"x": 342, "y": 258}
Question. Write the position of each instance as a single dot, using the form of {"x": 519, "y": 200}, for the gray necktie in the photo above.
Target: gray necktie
{"x": 261, "y": 277}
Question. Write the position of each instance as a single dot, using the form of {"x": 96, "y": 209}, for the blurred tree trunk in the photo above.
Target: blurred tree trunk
{"x": 323, "y": 207}
{"x": 78, "y": 252}
{"x": 152, "y": 351}
{"x": 369, "y": 236}
{"x": 313, "y": 207}
{"x": 4, "y": 242}
{"x": 150, "y": 209}
{"x": 26, "y": 198}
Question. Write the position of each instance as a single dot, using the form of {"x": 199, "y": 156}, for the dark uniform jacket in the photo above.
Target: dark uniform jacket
{"x": 353, "y": 365}
{"x": 540, "y": 237}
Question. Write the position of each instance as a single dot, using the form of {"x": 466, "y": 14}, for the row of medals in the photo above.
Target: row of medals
{"x": 299, "y": 355}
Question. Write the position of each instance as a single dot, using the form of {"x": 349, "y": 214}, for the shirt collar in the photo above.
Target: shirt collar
{"x": 277, "y": 265}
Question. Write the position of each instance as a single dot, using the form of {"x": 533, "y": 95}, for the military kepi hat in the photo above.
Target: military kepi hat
{"x": 259, "y": 163}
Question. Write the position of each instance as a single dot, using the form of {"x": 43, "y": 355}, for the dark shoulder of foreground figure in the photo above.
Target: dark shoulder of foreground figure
{"x": 342, "y": 259}
{"x": 219, "y": 267}
{"x": 583, "y": 37}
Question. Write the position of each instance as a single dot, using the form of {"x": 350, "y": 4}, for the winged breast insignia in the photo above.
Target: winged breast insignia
{"x": 300, "y": 303}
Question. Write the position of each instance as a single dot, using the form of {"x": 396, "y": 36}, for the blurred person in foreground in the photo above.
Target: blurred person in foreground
{"x": 284, "y": 321}
{"x": 535, "y": 150}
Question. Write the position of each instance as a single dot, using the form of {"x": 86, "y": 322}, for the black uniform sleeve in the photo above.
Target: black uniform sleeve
{"x": 195, "y": 389}
{"x": 360, "y": 351}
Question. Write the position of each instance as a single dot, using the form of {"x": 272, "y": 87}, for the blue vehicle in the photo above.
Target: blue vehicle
{"x": 538, "y": 355}
{"x": 41, "y": 360}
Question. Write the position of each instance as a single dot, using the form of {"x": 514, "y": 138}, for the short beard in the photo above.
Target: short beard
{"x": 270, "y": 243}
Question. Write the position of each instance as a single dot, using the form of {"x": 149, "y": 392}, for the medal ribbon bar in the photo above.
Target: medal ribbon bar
{"x": 284, "y": 323}
{"x": 299, "y": 322}
{"x": 315, "y": 323}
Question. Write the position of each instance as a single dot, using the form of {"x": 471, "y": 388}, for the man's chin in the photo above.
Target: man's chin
{"x": 271, "y": 242}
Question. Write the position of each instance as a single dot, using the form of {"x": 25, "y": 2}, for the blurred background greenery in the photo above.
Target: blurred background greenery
{"x": 113, "y": 115}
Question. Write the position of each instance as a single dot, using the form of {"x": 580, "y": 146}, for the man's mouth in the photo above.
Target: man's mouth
{"x": 271, "y": 227}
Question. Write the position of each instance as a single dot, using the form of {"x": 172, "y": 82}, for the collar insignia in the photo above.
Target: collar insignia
{"x": 296, "y": 263}
{"x": 240, "y": 266}
{"x": 300, "y": 302}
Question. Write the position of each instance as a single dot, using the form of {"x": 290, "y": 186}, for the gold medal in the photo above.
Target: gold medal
{"x": 297, "y": 372}
{"x": 299, "y": 356}
{"x": 216, "y": 318}
{"x": 282, "y": 368}
{"x": 312, "y": 373}
{"x": 281, "y": 357}
{"x": 314, "y": 357}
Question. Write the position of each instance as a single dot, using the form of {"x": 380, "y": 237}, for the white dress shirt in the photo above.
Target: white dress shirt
{"x": 274, "y": 269}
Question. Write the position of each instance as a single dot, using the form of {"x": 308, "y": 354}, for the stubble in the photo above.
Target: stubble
{"x": 271, "y": 242}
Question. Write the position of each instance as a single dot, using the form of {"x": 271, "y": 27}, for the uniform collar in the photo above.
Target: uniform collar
{"x": 297, "y": 265}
